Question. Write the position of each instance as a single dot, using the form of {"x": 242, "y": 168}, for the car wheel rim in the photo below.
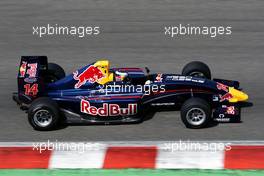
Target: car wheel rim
{"x": 42, "y": 118}
{"x": 196, "y": 116}
{"x": 197, "y": 74}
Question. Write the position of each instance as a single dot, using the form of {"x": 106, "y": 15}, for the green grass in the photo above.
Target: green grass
{"x": 128, "y": 172}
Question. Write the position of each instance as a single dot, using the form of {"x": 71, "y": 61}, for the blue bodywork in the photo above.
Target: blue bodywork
{"x": 175, "y": 90}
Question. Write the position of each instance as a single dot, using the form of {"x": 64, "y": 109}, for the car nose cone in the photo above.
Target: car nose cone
{"x": 237, "y": 95}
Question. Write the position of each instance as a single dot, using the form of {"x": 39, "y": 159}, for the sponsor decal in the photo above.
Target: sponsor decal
{"x": 230, "y": 110}
{"x": 22, "y": 69}
{"x": 159, "y": 78}
{"x": 162, "y": 104}
{"x": 91, "y": 74}
{"x": 215, "y": 98}
{"x": 28, "y": 68}
{"x": 227, "y": 96}
{"x": 221, "y": 86}
{"x": 185, "y": 78}
{"x": 30, "y": 80}
{"x": 107, "y": 109}
{"x": 32, "y": 70}
{"x": 222, "y": 118}
{"x": 226, "y": 114}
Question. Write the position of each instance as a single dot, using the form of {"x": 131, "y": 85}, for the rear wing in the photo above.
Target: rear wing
{"x": 30, "y": 78}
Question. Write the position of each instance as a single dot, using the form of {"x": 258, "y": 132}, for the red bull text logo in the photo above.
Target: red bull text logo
{"x": 91, "y": 74}
{"x": 108, "y": 109}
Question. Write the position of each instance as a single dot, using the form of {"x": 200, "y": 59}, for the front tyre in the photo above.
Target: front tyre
{"x": 195, "y": 113}
{"x": 43, "y": 114}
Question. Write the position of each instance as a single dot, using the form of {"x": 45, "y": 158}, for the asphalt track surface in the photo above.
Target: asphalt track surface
{"x": 132, "y": 34}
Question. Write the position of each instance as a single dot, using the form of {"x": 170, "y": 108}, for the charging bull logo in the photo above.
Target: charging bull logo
{"x": 91, "y": 74}
{"x": 227, "y": 96}
{"x": 108, "y": 109}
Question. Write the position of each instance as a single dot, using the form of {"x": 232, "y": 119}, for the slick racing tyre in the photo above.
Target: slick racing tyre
{"x": 197, "y": 69}
{"x": 43, "y": 114}
{"x": 195, "y": 113}
{"x": 54, "y": 73}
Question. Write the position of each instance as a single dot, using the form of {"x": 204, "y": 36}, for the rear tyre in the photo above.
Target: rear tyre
{"x": 54, "y": 73}
{"x": 197, "y": 69}
{"x": 43, "y": 114}
{"x": 196, "y": 113}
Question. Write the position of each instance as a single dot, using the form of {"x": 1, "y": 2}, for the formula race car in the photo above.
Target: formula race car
{"x": 98, "y": 94}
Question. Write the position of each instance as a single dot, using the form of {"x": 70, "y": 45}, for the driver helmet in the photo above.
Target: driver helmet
{"x": 120, "y": 76}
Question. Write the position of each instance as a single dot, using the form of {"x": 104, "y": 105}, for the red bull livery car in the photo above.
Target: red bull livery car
{"x": 98, "y": 94}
